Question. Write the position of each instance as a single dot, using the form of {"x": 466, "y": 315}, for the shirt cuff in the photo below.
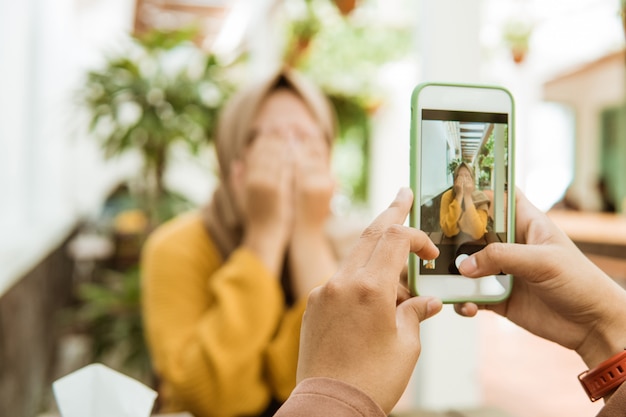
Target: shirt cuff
{"x": 616, "y": 405}
{"x": 329, "y": 397}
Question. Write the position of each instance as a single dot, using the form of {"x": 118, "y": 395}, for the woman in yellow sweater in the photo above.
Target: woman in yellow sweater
{"x": 464, "y": 210}
{"x": 224, "y": 288}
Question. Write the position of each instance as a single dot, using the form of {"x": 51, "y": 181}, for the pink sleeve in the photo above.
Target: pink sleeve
{"x": 328, "y": 397}
{"x": 616, "y": 405}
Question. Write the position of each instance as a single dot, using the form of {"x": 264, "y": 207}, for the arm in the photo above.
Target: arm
{"x": 208, "y": 324}
{"x": 311, "y": 262}
{"x": 261, "y": 182}
{"x": 474, "y": 220}
{"x": 311, "y": 258}
{"x": 281, "y": 355}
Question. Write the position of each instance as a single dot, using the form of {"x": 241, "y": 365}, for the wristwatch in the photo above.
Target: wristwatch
{"x": 604, "y": 378}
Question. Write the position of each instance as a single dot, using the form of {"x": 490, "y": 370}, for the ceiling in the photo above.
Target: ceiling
{"x": 472, "y": 136}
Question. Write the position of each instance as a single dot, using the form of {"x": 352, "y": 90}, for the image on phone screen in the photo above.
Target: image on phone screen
{"x": 463, "y": 184}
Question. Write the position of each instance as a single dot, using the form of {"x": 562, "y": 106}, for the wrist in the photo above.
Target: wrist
{"x": 602, "y": 348}
{"x": 269, "y": 247}
{"x": 309, "y": 242}
{"x": 608, "y": 337}
{"x": 311, "y": 260}
{"x": 606, "y": 340}
{"x": 309, "y": 230}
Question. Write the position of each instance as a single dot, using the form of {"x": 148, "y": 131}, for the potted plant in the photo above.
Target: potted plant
{"x": 517, "y": 34}
{"x": 161, "y": 92}
{"x": 300, "y": 33}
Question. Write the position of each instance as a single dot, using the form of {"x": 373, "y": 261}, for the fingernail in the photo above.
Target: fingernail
{"x": 468, "y": 266}
{"x": 402, "y": 193}
{"x": 464, "y": 310}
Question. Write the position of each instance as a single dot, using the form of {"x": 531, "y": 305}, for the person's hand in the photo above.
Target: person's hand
{"x": 314, "y": 184}
{"x": 458, "y": 187}
{"x": 263, "y": 185}
{"x": 352, "y": 329}
{"x": 558, "y": 293}
{"x": 468, "y": 188}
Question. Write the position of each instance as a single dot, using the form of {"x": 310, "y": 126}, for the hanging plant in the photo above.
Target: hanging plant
{"x": 517, "y": 34}
{"x": 344, "y": 57}
{"x": 345, "y": 6}
{"x": 301, "y": 32}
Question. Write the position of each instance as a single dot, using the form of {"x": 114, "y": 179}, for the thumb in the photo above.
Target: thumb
{"x": 415, "y": 310}
{"x": 509, "y": 258}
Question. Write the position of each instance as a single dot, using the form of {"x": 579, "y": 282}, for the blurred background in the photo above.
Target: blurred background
{"x": 106, "y": 116}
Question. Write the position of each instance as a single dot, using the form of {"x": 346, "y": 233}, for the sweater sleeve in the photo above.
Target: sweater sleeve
{"x": 282, "y": 352}
{"x": 449, "y": 214}
{"x": 208, "y": 323}
{"x": 328, "y": 397}
{"x": 616, "y": 405}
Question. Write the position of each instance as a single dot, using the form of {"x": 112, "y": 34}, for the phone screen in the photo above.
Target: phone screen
{"x": 464, "y": 180}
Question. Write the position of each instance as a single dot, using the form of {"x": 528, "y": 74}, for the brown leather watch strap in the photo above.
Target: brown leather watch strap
{"x": 604, "y": 378}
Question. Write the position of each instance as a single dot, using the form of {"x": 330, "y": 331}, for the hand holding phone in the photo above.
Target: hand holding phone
{"x": 463, "y": 185}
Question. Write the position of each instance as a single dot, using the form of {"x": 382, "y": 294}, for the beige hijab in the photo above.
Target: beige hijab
{"x": 478, "y": 197}
{"x": 234, "y": 126}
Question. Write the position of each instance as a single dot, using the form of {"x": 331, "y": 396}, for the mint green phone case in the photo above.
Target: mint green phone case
{"x": 415, "y": 140}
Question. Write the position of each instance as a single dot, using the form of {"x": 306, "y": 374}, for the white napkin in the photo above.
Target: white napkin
{"x": 98, "y": 391}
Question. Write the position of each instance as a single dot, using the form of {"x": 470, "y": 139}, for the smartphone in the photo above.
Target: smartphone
{"x": 462, "y": 177}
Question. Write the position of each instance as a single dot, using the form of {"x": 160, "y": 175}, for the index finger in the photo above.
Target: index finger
{"x": 390, "y": 255}
{"x": 396, "y": 213}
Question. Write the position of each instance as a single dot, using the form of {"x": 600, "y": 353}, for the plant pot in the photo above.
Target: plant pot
{"x": 519, "y": 54}
{"x": 345, "y": 6}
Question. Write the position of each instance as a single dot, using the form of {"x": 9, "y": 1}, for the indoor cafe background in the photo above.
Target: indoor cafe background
{"x": 55, "y": 178}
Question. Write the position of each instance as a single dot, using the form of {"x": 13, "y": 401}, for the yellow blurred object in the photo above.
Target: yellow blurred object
{"x": 130, "y": 222}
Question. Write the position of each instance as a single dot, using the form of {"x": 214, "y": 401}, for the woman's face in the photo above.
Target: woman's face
{"x": 284, "y": 113}
{"x": 284, "y": 127}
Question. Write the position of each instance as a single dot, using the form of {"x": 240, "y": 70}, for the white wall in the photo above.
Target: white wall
{"x": 434, "y": 155}
{"x": 50, "y": 173}
{"x": 450, "y": 50}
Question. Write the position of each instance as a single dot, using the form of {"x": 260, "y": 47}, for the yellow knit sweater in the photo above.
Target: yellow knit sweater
{"x": 221, "y": 338}
{"x": 453, "y": 219}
